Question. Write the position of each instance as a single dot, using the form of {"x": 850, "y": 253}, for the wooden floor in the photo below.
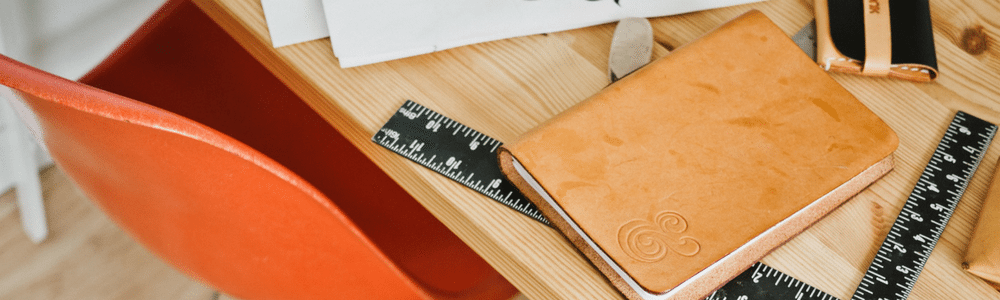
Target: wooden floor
{"x": 85, "y": 257}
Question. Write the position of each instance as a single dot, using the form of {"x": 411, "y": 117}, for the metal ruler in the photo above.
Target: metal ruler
{"x": 911, "y": 239}
{"x": 469, "y": 157}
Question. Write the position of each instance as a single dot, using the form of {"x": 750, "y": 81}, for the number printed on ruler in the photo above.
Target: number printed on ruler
{"x": 918, "y": 227}
{"x": 453, "y": 150}
{"x": 763, "y": 282}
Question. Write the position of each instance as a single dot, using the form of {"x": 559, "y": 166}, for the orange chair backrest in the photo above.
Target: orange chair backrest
{"x": 209, "y": 171}
{"x": 207, "y": 203}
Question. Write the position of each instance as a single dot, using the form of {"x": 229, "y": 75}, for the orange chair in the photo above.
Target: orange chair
{"x": 222, "y": 171}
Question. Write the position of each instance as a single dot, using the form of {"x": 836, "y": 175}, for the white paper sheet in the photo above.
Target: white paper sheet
{"x": 365, "y": 32}
{"x": 294, "y": 21}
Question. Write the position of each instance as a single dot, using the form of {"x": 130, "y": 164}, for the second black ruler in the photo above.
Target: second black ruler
{"x": 761, "y": 282}
{"x": 918, "y": 227}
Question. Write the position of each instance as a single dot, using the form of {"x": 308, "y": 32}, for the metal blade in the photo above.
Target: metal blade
{"x": 806, "y": 39}
{"x": 631, "y": 47}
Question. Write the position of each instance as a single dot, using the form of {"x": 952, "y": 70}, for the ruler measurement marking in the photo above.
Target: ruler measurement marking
{"x": 899, "y": 260}
{"x": 466, "y": 154}
{"x": 763, "y": 282}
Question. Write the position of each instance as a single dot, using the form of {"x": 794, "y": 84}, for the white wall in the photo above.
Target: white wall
{"x": 69, "y": 37}
{"x": 72, "y": 36}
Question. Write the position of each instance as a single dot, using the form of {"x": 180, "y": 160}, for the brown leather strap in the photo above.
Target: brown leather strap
{"x": 878, "y": 38}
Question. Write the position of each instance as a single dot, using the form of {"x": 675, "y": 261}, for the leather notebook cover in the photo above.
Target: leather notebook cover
{"x": 675, "y": 179}
{"x": 982, "y": 257}
{"x": 879, "y": 38}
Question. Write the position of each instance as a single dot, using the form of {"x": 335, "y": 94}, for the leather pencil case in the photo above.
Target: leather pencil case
{"x": 880, "y": 38}
{"x": 982, "y": 256}
{"x": 678, "y": 177}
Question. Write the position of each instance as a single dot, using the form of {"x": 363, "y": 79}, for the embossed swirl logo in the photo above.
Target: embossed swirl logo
{"x": 651, "y": 241}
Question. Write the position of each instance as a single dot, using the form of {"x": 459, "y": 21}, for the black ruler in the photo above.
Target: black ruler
{"x": 469, "y": 157}
{"x": 918, "y": 227}
{"x": 453, "y": 150}
{"x": 764, "y": 282}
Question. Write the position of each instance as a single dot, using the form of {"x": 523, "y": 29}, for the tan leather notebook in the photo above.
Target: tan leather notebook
{"x": 982, "y": 257}
{"x": 675, "y": 179}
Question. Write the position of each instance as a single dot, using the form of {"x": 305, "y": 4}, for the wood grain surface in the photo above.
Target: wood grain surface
{"x": 504, "y": 88}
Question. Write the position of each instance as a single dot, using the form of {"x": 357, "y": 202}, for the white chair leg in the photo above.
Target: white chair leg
{"x": 22, "y": 158}
{"x": 29, "y": 192}
{"x": 25, "y": 177}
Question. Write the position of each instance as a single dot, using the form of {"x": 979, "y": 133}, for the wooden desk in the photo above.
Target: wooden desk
{"x": 504, "y": 88}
